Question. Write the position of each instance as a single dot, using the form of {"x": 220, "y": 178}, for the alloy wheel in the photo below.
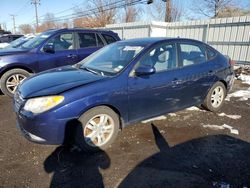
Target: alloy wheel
{"x": 98, "y": 130}
{"x": 217, "y": 96}
{"x": 13, "y": 81}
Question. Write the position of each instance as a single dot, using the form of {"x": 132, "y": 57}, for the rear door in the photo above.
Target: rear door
{"x": 65, "y": 52}
{"x": 197, "y": 74}
{"x": 87, "y": 43}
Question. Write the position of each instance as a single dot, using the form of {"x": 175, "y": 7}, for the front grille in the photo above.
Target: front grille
{"x": 18, "y": 101}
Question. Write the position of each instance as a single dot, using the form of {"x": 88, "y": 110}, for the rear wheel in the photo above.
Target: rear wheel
{"x": 215, "y": 97}
{"x": 11, "y": 79}
{"x": 99, "y": 128}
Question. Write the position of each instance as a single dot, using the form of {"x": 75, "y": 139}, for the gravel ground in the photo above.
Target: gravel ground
{"x": 190, "y": 148}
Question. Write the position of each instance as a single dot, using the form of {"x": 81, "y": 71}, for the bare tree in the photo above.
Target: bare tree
{"x": 231, "y": 11}
{"x": 169, "y": 11}
{"x": 101, "y": 13}
{"x": 211, "y": 8}
{"x": 131, "y": 12}
{"x": 26, "y": 29}
{"x": 48, "y": 23}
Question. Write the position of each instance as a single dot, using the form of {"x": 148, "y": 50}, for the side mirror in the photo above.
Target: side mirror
{"x": 144, "y": 70}
{"x": 49, "y": 48}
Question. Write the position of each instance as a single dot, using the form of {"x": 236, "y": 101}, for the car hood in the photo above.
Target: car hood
{"x": 55, "y": 81}
{"x": 11, "y": 51}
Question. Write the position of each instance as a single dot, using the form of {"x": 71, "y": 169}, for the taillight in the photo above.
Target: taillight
{"x": 231, "y": 62}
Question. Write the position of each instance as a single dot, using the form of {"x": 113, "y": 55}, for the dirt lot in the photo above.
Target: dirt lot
{"x": 190, "y": 148}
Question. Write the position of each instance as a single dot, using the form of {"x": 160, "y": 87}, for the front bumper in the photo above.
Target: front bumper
{"x": 43, "y": 129}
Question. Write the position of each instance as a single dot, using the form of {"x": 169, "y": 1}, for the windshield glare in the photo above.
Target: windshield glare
{"x": 35, "y": 42}
{"x": 112, "y": 58}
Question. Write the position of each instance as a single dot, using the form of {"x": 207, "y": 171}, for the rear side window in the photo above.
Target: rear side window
{"x": 191, "y": 54}
{"x": 210, "y": 53}
{"x": 109, "y": 39}
{"x": 87, "y": 40}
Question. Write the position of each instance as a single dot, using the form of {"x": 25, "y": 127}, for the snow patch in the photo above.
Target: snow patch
{"x": 244, "y": 78}
{"x": 193, "y": 108}
{"x": 244, "y": 95}
{"x": 155, "y": 119}
{"x": 221, "y": 127}
{"x": 230, "y": 116}
{"x": 172, "y": 114}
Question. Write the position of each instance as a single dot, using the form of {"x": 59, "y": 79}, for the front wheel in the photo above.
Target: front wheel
{"x": 11, "y": 79}
{"x": 215, "y": 97}
{"x": 99, "y": 128}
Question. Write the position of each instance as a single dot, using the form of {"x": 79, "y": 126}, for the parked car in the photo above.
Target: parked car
{"x": 53, "y": 48}
{"x": 121, "y": 84}
{"x": 7, "y": 38}
{"x": 18, "y": 42}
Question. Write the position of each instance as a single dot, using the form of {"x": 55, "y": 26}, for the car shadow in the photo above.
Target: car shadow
{"x": 211, "y": 161}
{"x": 73, "y": 167}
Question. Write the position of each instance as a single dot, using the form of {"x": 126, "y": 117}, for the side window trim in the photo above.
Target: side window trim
{"x": 102, "y": 38}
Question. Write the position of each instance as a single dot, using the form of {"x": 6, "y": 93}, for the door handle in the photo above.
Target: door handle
{"x": 71, "y": 56}
{"x": 210, "y": 73}
{"x": 176, "y": 81}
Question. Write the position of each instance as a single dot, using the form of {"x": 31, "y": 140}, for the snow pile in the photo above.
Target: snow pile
{"x": 244, "y": 78}
{"x": 230, "y": 116}
{"x": 221, "y": 127}
{"x": 155, "y": 119}
{"x": 244, "y": 95}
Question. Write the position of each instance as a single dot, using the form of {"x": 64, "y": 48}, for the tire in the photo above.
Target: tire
{"x": 212, "y": 101}
{"x": 9, "y": 77}
{"x": 94, "y": 115}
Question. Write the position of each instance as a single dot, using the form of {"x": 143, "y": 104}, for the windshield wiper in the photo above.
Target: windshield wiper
{"x": 90, "y": 70}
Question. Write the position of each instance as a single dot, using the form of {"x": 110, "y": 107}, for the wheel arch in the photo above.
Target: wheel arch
{"x": 224, "y": 82}
{"x": 16, "y": 67}
{"x": 112, "y": 107}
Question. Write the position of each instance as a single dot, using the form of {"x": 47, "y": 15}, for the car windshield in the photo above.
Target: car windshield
{"x": 35, "y": 42}
{"x": 16, "y": 43}
{"x": 111, "y": 59}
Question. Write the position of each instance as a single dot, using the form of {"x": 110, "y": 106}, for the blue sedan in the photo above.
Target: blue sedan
{"x": 121, "y": 84}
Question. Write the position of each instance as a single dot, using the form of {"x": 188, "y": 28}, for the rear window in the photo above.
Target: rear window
{"x": 109, "y": 39}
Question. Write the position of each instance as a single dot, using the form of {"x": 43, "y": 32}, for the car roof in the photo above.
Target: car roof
{"x": 81, "y": 29}
{"x": 154, "y": 40}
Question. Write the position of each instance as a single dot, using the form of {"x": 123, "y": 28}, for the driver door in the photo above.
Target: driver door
{"x": 151, "y": 95}
{"x": 64, "y": 52}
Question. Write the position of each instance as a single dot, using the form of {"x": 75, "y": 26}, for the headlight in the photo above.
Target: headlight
{"x": 42, "y": 104}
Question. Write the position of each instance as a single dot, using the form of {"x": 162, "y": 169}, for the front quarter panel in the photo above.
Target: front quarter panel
{"x": 111, "y": 92}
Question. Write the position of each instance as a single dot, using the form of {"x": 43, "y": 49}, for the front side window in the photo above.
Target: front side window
{"x": 87, "y": 40}
{"x": 111, "y": 59}
{"x": 62, "y": 42}
{"x": 162, "y": 58}
{"x": 191, "y": 54}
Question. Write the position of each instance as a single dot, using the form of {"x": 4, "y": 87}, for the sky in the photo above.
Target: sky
{"x": 25, "y": 11}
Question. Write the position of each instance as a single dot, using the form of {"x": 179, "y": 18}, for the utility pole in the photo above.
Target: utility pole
{"x": 36, "y": 3}
{"x": 168, "y": 16}
{"x": 14, "y": 22}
